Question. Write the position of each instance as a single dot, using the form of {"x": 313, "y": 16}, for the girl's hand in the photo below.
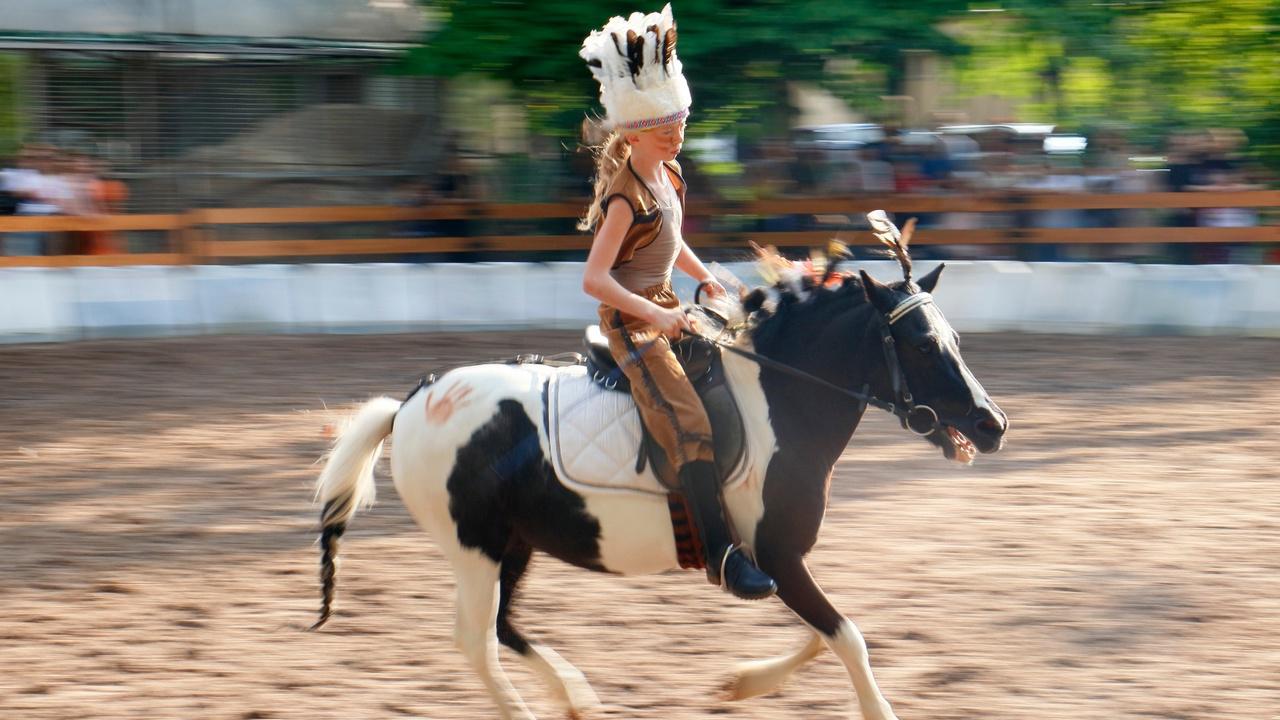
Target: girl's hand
{"x": 712, "y": 289}
{"x": 671, "y": 322}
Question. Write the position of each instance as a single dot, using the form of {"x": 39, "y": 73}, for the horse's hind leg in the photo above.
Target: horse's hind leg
{"x": 760, "y": 677}
{"x": 565, "y": 681}
{"x": 474, "y": 633}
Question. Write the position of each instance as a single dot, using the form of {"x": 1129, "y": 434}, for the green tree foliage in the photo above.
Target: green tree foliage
{"x": 737, "y": 53}
{"x": 1152, "y": 65}
{"x": 11, "y": 74}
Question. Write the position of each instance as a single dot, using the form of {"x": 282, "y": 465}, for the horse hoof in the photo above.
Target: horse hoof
{"x": 585, "y": 709}
{"x": 730, "y": 690}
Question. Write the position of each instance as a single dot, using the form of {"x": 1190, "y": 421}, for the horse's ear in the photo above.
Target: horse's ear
{"x": 879, "y": 294}
{"x": 930, "y": 281}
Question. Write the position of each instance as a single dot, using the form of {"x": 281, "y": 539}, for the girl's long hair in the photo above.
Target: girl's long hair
{"x": 611, "y": 159}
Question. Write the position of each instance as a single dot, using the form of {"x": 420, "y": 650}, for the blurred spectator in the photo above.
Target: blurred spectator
{"x": 807, "y": 173}
{"x": 450, "y": 183}
{"x": 771, "y": 171}
{"x": 875, "y": 176}
{"x": 92, "y": 195}
{"x": 9, "y": 200}
{"x": 1221, "y": 171}
{"x": 1057, "y": 175}
{"x": 40, "y": 193}
{"x": 907, "y": 177}
{"x": 111, "y": 196}
{"x": 935, "y": 163}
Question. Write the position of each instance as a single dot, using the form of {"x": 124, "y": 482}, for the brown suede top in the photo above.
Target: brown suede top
{"x": 647, "y": 217}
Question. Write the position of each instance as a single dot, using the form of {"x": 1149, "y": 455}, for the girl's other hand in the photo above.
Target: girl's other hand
{"x": 671, "y": 322}
{"x": 712, "y": 289}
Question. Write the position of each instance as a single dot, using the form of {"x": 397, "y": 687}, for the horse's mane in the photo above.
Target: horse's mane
{"x": 809, "y": 293}
{"x": 801, "y": 310}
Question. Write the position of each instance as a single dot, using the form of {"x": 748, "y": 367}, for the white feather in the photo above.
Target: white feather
{"x": 656, "y": 92}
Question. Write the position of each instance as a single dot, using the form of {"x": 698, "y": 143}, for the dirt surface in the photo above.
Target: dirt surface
{"x": 1120, "y": 559}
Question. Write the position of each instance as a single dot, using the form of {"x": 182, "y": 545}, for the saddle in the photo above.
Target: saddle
{"x": 704, "y": 367}
{"x": 592, "y": 427}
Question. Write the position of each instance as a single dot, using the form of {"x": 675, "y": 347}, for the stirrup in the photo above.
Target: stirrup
{"x": 724, "y": 561}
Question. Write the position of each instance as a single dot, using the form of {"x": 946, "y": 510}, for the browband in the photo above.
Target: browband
{"x": 906, "y": 306}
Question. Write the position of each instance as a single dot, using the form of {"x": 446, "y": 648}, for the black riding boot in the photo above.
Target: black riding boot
{"x": 701, "y": 484}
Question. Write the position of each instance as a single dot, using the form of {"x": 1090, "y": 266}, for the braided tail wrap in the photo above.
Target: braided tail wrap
{"x": 346, "y": 484}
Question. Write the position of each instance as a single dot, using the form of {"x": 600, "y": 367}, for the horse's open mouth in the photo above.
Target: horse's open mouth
{"x": 962, "y": 448}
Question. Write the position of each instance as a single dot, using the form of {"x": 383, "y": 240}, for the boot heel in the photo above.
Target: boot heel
{"x": 741, "y": 577}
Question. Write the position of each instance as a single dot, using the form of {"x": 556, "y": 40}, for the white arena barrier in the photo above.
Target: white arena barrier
{"x": 54, "y": 304}
{"x": 139, "y": 300}
{"x": 1077, "y": 298}
{"x": 243, "y": 298}
{"x": 37, "y": 304}
{"x": 1263, "y": 314}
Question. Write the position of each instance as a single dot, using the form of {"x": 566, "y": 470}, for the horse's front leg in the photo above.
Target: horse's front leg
{"x": 760, "y": 677}
{"x": 798, "y": 590}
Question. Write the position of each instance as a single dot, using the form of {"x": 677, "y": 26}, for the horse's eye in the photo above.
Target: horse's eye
{"x": 925, "y": 348}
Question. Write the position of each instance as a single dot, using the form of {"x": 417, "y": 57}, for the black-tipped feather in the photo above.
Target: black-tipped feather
{"x": 635, "y": 54}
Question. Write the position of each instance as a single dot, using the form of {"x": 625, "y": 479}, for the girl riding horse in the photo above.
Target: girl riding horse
{"x": 477, "y": 452}
{"x": 636, "y": 216}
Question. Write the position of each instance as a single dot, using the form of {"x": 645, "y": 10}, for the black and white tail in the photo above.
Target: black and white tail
{"x": 346, "y": 484}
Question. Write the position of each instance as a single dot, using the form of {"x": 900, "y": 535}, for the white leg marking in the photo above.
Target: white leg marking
{"x": 476, "y": 632}
{"x": 760, "y": 677}
{"x": 567, "y": 683}
{"x": 848, "y": 644}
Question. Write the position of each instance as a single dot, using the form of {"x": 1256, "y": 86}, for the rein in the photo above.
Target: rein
{"x": 919, "y": 419}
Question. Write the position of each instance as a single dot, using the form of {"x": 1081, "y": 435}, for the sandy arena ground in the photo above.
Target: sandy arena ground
{"x": 1120, "y": 559}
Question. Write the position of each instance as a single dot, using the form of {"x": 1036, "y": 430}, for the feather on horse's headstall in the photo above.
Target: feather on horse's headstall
{"x": 884, "y": 229}
{"x": 820, "y": 270}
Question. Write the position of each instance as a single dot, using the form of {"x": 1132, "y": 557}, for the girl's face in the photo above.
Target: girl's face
{"x": 663, "y": 142}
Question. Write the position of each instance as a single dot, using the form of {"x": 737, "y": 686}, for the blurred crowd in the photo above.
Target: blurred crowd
{"x": 1012, "y": 160}
{"x": 42, "y": 181}
{"x": 981, "y": 159}
{"x": 851, "y": 160}
{"x": 869, "y": 160}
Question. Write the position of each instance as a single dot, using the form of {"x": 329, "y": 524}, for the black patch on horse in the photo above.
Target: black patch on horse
{"x": 502, "y": 488}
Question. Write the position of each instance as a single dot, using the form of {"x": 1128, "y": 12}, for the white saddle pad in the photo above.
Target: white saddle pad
{"x": 595, "y": 436}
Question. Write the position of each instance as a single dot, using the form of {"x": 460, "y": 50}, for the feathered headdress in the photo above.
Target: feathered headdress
{"x": 641, "y": 80}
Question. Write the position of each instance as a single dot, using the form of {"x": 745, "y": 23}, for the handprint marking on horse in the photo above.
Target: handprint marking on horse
{"x": 441, "y": 407}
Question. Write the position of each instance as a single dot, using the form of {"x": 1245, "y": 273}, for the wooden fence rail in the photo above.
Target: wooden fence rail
{"x": 195, "y": 236}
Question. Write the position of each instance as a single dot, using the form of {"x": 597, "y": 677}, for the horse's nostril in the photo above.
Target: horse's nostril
{"x": 991, "y": 426}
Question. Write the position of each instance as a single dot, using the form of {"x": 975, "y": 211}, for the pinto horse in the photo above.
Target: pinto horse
{"x": 470, "y": 460}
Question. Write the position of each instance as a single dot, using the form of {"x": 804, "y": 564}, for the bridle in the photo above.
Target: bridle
{"x": 919, "y": 419}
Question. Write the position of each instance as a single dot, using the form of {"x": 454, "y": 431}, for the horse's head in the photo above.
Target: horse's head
{"x": 932, "y": 372}
{"x": 828, "y": 324}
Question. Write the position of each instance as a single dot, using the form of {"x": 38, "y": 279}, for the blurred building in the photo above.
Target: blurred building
{"x": 202, "y": 103}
